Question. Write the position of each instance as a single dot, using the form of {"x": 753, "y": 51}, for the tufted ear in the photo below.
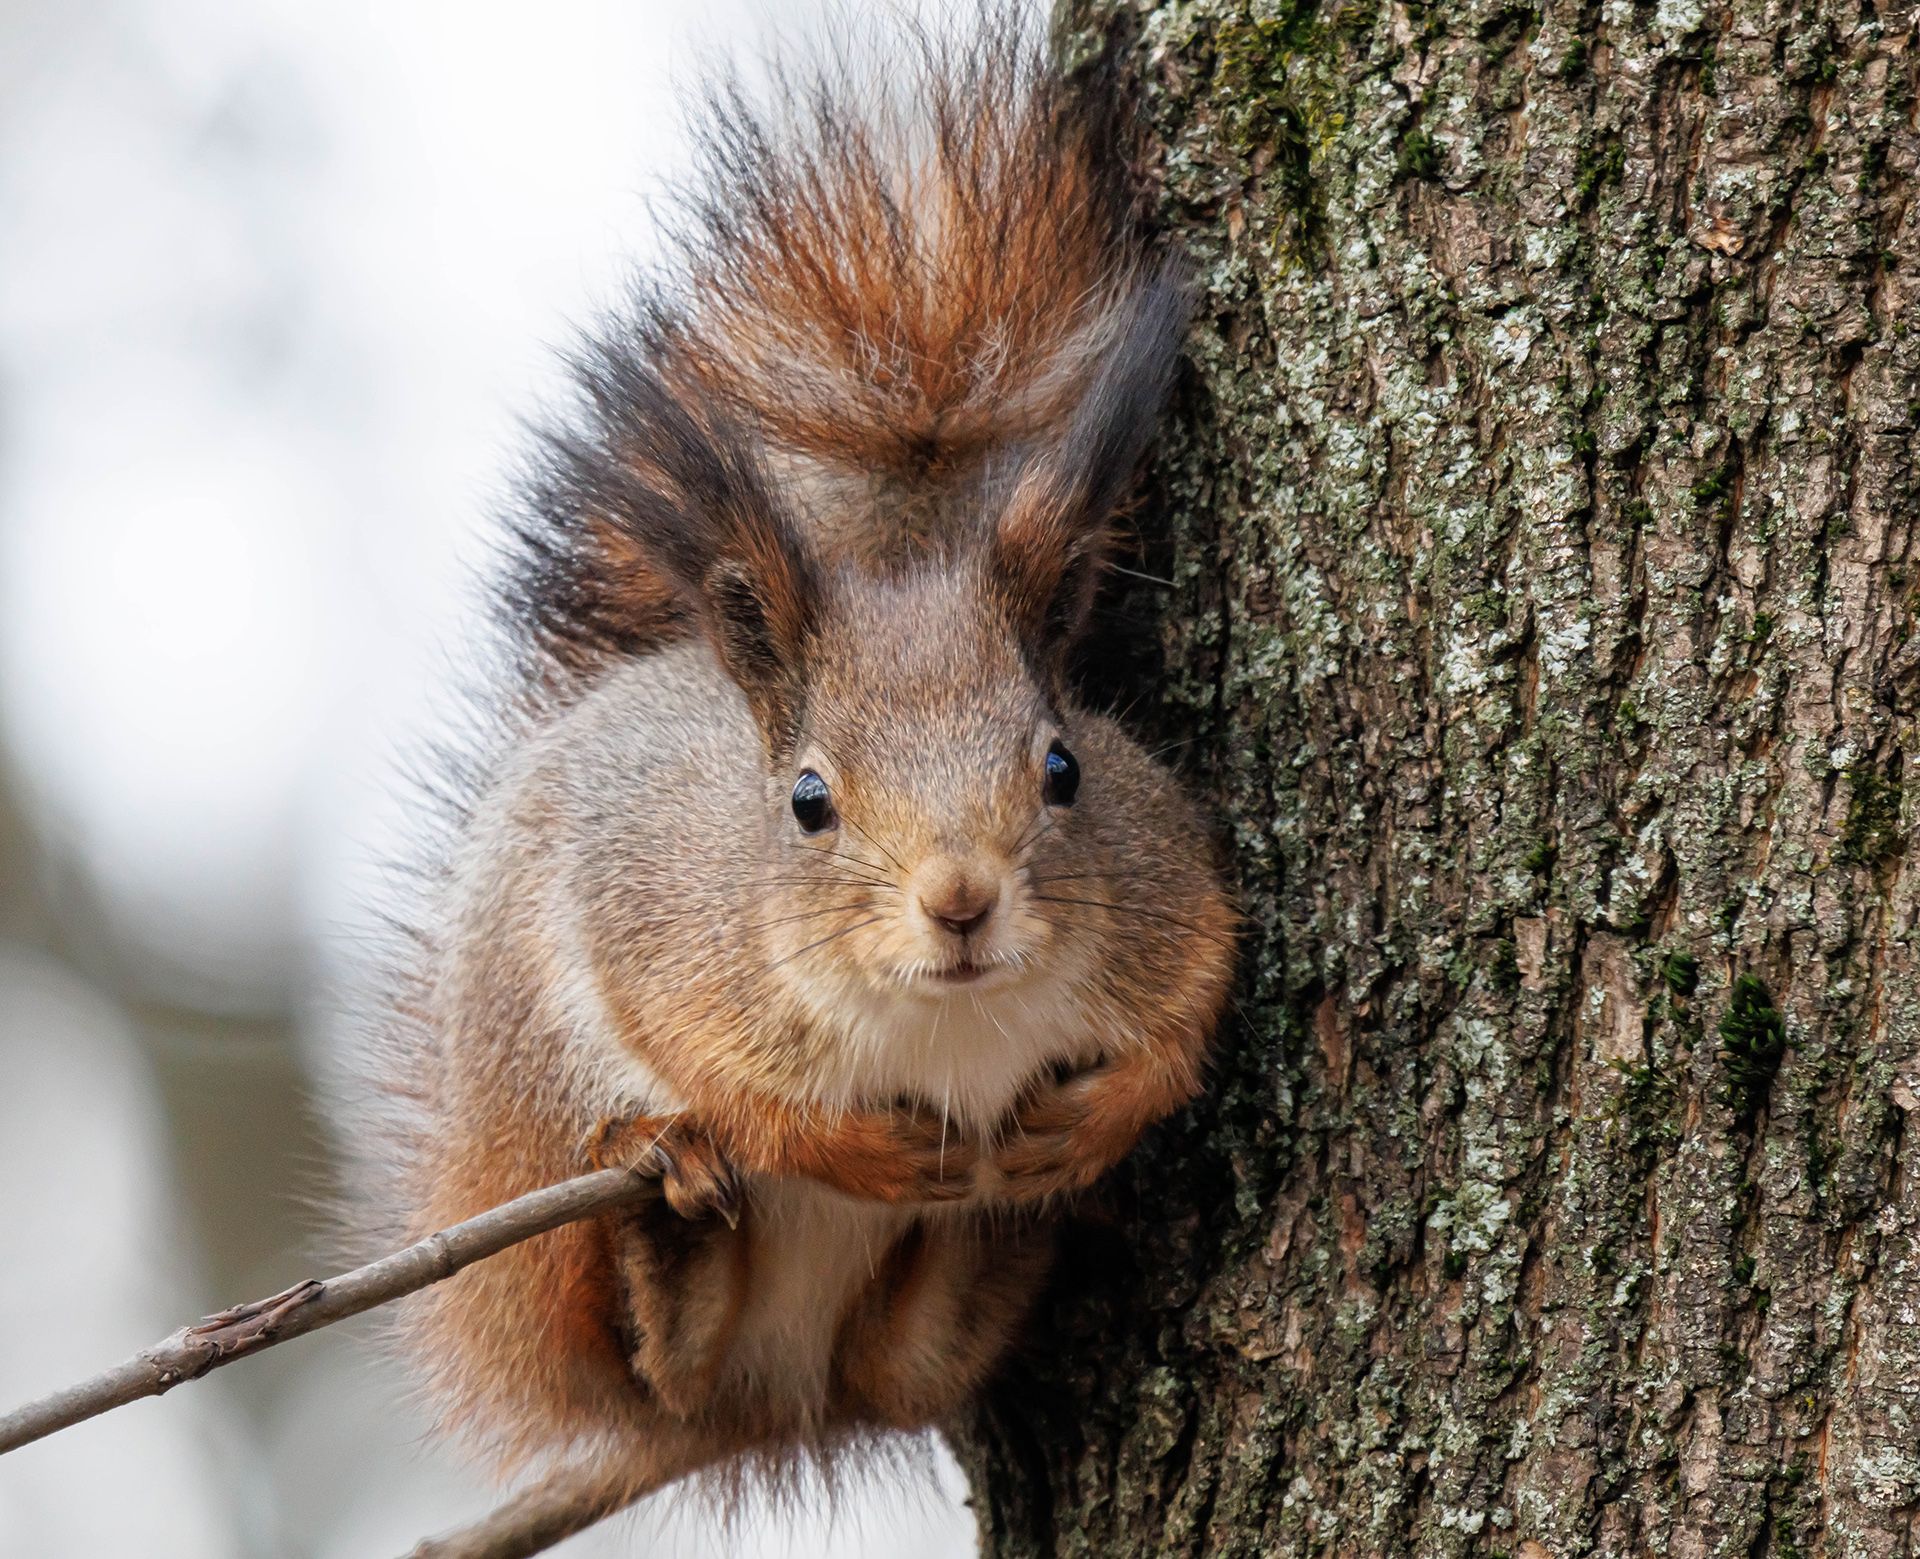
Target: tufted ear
{"x": 1050, "y": 542}
{"x": 672, "y": 482}
{"x": 760, "y": 603}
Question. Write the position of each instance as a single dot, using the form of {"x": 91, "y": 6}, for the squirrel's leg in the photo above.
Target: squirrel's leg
{"x": 949, "y": 1298}
{"x": 684, "y": 1285}
{"x": 1069, "y": 1133}
{"x": 683, "y": 1266}
{"x": 898, "y": 1155}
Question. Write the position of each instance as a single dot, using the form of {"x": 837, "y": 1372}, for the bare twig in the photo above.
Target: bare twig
{"x": 550, "y": 1512}
{"x": 194, "y": 1350}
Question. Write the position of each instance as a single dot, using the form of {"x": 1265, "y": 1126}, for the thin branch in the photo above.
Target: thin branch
{"x": 194, "y": 1350}
{"x": 550, "y": 1512}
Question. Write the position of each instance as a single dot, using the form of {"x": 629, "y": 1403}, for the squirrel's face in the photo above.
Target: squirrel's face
{"x": 926, "y": 808}
{"x": 929, "y": 796}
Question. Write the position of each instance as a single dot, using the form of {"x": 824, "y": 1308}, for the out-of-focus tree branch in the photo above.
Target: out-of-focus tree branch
{"x": 309, "y": 1305}
{"x": 549, "y": 1512}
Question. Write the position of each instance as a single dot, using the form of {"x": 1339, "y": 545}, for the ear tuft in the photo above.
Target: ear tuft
{"x": 759, "y": 625}
{"x": 662, "y": 477}
{"x": 1050, "y": 541}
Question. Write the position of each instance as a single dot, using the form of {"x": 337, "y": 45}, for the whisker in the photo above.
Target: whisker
{"x": 1034, "y": 834}
{"x": 831, "y": 936}
{"x": 1116, "y": 873}
{"x": 946, "y": 1111}
{"x": 845, "y": 855}
{"x": 708, "y": 914}
{"x": 842, "y": 874}
{"x": 1149, "y": 914}
{"x": 877, "y": 845}
{"x": 787, "y": 920}
{"x": 805, "y": 855}
{"x": 838, "y": 881}
{"x": 1160, "y": 752}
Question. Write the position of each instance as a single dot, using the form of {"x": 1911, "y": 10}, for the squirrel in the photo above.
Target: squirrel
{"x": 795, "y": 872}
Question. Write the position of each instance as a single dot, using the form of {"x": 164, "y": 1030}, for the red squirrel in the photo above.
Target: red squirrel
{"x": 795, "y": 872}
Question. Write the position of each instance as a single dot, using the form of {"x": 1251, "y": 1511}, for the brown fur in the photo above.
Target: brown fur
{"x": 893, "y": 295}
{"x": 906, "y": 294}
{"x": 837, "y": 509}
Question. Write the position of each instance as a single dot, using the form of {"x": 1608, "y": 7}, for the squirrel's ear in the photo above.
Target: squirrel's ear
{"x": 1050, "y": 541}
{"x": 674, "y": 483}
{"x": 760, "y": 600}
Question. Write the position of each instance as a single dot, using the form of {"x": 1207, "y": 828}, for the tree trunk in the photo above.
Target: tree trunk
{"x": 1539, "y": 520}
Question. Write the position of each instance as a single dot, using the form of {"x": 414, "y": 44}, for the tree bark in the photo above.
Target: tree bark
{"x": 1540, "y": 522}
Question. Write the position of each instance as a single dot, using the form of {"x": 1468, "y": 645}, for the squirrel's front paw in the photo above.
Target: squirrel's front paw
{"x": 899, "y": 1155}
{"x": 1056, "y": 1144}
{"x": 933, "y": 1161}
{"x": 696, "y": 1177}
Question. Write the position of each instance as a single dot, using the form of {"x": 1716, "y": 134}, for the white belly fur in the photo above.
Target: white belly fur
{"x": 813, "y": 1251}
{"x": 968, "y": 1056}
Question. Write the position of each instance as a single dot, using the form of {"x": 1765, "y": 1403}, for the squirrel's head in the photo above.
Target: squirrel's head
{"x": 930, "y": 777}
{"x": 933, "y": 797}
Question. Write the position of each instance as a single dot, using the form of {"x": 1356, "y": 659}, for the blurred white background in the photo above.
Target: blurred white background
{"x": 277, "y": 277}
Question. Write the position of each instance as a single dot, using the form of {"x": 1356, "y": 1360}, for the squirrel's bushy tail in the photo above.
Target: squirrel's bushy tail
{"x": 910, "y": 259}
{"x": 895, "y": 277}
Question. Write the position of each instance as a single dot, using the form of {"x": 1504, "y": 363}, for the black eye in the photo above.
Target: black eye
{"x": 1063, "y": 777}
{"x": 811, "y": 803}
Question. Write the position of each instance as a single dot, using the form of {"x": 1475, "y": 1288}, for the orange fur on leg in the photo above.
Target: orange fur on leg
{"x": 901, "y": 1155}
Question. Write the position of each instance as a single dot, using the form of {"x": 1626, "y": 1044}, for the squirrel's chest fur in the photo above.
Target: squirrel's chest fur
{"x": 811, "y": 1253}
{"x": 968, "y": 1057}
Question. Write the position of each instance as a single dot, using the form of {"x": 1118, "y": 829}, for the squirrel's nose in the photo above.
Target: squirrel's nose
{"x": 961, "y": 925}
{"x": 960, "y": 904}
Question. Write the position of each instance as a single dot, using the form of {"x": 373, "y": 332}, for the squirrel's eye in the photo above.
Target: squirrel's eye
{"x": 1063, "y": 776}
{"x": 811, "y": 803}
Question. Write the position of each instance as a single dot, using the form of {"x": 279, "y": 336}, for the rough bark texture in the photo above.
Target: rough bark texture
{"x": 1540, "y": 520}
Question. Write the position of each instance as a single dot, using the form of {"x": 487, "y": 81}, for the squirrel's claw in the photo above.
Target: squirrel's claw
{"x": 697, "y": 1178}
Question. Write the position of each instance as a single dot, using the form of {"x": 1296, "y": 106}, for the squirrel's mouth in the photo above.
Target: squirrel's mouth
{"x": 968, "y": 974}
